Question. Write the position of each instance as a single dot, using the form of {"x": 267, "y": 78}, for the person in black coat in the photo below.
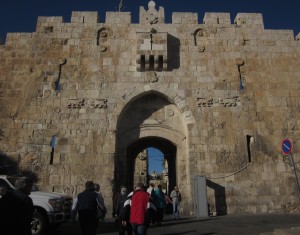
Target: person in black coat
{"x": 16, "y": 208}
{"x": 119, "y": 210}
{"x": 86, "y": 205}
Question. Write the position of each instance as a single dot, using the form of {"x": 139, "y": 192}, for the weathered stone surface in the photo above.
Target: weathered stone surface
{"x": 216, "y": 98}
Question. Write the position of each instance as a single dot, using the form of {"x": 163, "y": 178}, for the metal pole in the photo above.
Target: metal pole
{"x": 295, "y": 173}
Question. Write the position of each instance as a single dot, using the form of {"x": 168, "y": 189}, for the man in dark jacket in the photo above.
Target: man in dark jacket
{"x": 140, "y": 206}
{"x": 16, "y": 208}
{"x": 86, "y": 205}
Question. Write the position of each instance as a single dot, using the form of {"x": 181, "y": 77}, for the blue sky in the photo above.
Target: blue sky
{"x": 21, "y": 15}
{"x": 155, "y": 160}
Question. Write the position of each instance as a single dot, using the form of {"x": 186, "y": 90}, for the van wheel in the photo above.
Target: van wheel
{"x": 38, "y": 223}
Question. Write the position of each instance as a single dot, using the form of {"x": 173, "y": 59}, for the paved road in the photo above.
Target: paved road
{"x": 222, "y": 225}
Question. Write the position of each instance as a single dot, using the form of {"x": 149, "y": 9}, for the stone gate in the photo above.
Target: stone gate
{"x": 81, "y": 99}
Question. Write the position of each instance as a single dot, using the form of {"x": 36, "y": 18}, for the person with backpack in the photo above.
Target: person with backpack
{"x": 120, "y": 201}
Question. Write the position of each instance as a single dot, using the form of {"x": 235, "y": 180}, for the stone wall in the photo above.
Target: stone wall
{"x": 234, "y": 88}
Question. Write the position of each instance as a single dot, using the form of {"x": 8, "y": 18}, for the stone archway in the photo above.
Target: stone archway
{"x": 150, "y": 115}
{"x": 152, "y": 112}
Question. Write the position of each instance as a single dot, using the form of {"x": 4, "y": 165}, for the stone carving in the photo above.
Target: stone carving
{"x": 151, "y": 77}
{"x": 240, "y": 63}
{"x": 205, "y": 102}
{"x": 98, "y": 103}
{"x": 75, "y": 103}
{"x": 170, "y": 112}
{"x": 179, "y": 101}
{"x": 102, "y": 38}
{"x": 223, "y": 102}
{"x": 92, "y": 103}
{"x": 199, "y": 34}
{"x": 152, "y": 16}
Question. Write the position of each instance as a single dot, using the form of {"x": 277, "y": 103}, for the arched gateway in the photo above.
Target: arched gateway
{"x": 153, "y": 118}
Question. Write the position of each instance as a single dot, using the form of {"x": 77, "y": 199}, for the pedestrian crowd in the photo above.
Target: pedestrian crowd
{"x": 134, "y": 211}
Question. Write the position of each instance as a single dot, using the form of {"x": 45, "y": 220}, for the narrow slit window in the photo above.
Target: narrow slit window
{"x": 249, "y": 142}
{"x": 52, "y": 144}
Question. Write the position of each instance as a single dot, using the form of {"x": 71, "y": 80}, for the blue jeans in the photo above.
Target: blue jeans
{"x": 139, "y": 229}
{"x": 176, "y": 206}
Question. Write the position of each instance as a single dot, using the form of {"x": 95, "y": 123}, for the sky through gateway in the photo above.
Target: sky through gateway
{"x": 156, "y": 158}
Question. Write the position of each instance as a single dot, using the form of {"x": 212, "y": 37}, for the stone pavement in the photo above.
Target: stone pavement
{"x": 272, "y": 224}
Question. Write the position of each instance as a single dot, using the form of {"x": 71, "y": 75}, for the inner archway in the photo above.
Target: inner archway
{"x": 166, "y": 147}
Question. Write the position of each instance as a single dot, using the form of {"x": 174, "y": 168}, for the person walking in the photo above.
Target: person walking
{"x": 160, "y": 204}
{"x": 85, "y": 204}
{"x": 101, "y": 210}
{"x": 176, "y": 200}
{"x": 150, "y": 189}
{"x": 139, "y": 208}
{"x": 119, "y": 210}
{"x": 116, "y": 198}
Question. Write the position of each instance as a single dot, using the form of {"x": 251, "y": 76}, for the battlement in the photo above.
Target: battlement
{"x": 85, "y": 17}
{"x": 152, "y": 16}
{"x": 253, "y": 20}
{"x": 212, "y": 18}
{"x": 118, "y": 17}
{"x": 184, "y": 18}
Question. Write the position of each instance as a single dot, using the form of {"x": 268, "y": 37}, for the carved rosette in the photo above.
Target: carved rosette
{"x": 151, "y": 77}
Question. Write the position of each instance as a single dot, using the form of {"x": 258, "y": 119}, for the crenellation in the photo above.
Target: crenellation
{"x": 85, "y": 17}
{"x": 217, "y": 19}
{"x": 249, "y": 20}
{"x": 118, "y": 18}
{"x": 184, "y": 18}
